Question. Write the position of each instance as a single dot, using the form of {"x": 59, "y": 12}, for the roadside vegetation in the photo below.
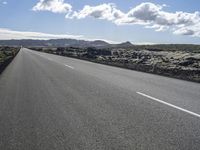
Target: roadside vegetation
{"x": 178, "y": 61}
{"x": 6, "y": 56}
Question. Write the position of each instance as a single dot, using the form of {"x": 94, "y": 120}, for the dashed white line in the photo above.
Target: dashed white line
{"x": 168, "y": 104}
{"x": 69, "y": 66}
{"x": 52, "y": 60}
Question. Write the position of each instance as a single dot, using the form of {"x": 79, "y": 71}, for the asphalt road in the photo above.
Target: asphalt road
{"x": 49, "y": 102}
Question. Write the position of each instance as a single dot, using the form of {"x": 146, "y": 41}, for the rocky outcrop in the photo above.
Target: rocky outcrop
{"x": 177, "y": 64}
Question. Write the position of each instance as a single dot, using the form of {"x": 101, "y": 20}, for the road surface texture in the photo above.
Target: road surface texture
{"x": 50, "y": 102}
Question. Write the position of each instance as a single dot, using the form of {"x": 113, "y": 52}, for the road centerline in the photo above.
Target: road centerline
{"x": 168, "y": 104}
{"x": 69, "y": 66}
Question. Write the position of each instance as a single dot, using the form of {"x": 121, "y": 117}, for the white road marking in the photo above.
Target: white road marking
{"x": 168, "y": 104}
{"x": 49, "y": 59}
{"x": 52, "y": 60}
{"x": 69, "y": 66}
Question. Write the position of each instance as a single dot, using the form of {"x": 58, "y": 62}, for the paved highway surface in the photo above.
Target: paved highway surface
{"x": 50, "y": 102}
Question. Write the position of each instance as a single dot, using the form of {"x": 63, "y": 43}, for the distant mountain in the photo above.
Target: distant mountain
{"x": 54, "y": 43}
{"x": 99, "y": 44}
{"x": 123, "y": 45}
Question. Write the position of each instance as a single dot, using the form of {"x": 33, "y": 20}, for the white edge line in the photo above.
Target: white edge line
{"x": 69, "y": 66}
{"x": 168, "y": 104}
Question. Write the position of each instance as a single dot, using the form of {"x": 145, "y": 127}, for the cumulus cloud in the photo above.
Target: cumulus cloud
{"x": 145, "y": 12}
{"x": 148, "y": 14}
{"x": 11, "y": 34}
{"x": 153, "y": 16}
{"x": 55, "y": 6}
{"x": 103, "y": 11}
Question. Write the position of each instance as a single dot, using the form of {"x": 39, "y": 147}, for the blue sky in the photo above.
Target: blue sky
{"x": 163, "y": 21}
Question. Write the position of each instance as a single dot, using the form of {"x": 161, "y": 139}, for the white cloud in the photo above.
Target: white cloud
{"x": 148, "y": 14}
{"x": 103, "y": 11}
{"x": 184, "y": 31}
{"x": 144, "y": 43}
{"x": 11, "y": 34}
{"x": 4, "y": 2}
{"x": 145, "y": 12}
{"x": 55, "y": 6}
{"x": 7, "y": 34}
